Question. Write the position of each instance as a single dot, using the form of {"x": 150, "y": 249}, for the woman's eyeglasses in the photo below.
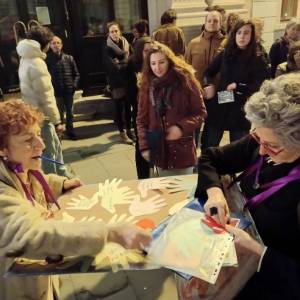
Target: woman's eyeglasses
{"x": 273, "y": 150}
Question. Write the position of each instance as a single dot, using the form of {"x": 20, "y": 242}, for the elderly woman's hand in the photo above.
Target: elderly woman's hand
{"x": 244, "y": 241}
{"x": 73, "y": 183}
{"x": 216, "y": 200}
{"x": 129, "y": 236}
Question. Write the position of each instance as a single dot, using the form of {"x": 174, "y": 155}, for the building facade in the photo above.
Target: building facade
{"x": 82, "y": 26}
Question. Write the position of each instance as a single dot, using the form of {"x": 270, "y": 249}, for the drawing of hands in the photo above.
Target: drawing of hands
{"x": 111, "y": 194}
{"x": 146, "y": 207}
{"x": 152, "y": 184}
{"x": 120, "y": 219}
{"x": 82, "y": 202}
{"x": 181, "y": 184}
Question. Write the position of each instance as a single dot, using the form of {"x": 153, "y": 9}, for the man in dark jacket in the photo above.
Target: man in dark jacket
{"x": 65, "y": 78}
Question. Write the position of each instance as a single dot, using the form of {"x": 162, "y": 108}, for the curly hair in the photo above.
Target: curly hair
{"x": 291, "y": 60}
{"x": 183, "y": 70}
{"x": 15, "y": 116}
{"x": 277, "y": 105}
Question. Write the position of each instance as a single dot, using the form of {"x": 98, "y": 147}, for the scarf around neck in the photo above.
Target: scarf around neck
{"x": 125, "y": 51}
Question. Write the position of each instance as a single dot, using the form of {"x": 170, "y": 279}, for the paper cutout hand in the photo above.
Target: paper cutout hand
{"x": 120, "y": 219}
{"x": 89, "y": 219}
{"x": 152, "y": 184}
{"x": 180, "y": 184}
{"x": 178, "y": 206}
{"x": 146, "y": 207}
{"x": 67, "y": 218}
{"x": 83, "y": 203}
{"x": 111, "y": 194}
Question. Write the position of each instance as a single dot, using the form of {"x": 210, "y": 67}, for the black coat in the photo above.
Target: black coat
{"x": 277, "y": 218}
{"x": 248, "y": 74}
{"x": 278, "y": 54}
{"x": 64, "y": 73}
{"x": 116, "y": 71}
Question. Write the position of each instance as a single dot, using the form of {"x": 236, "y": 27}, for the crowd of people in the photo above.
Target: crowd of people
{"x": 163, "y": 91}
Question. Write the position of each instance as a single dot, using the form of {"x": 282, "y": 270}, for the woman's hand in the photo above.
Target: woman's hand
{"x": 209, "y": 91}
{"x": 217, "y": 199}
{"x": 73, "y": 183}
{"x": 146, "y": 155}
{"x": 245, "y": 241}
{"x": 231, "y": 87}
{"x": 173, "y": 133}
{"x": 129, "y": 236}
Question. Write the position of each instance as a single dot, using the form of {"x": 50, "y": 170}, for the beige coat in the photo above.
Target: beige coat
{"x": 202, "y": 50}
{"x": 172, "y": 36}
{"x": 23, "y": 228}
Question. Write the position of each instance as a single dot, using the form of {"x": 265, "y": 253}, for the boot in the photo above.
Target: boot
{"x": 125, "y": 139}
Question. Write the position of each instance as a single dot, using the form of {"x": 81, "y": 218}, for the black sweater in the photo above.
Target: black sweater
{"x": 277, "y": 218}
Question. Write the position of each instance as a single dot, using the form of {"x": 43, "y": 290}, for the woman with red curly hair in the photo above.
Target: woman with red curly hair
{"x": 170, "y": 109}
{"x": 27, "y": 199}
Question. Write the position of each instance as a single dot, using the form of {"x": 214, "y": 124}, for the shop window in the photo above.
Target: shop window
{"x": 289, "y": 9}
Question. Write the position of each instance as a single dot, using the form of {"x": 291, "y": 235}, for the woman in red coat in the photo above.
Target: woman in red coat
{"x": 170, "y": 109}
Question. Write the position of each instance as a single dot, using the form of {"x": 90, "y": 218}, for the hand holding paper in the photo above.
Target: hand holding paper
{"x": 146, "y": 207}
{"x": 83, "y": 203}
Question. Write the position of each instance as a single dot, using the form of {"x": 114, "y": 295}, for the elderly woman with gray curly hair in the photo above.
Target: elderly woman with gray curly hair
{"x": 269, "y": 159}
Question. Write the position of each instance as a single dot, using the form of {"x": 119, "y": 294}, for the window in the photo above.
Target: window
{"x": 288, "y": 9}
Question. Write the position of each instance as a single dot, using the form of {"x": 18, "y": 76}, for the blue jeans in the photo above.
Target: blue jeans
{"x": 211, "y": 137}
{"x": 52, "y": 150}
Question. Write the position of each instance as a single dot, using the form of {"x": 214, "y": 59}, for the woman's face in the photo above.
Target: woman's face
{"x": 114, "y": 33}
{"x": 135, "y": 33}
{"x": 297, "y": 57}
{"x": 292, "y": 32}
{"x": 159, "y": 64}
{"x": 25, "y": 148}
{"x": 147, "y": 47}
{"x": 269, "y": 141}
{"x": 243, "y": 36}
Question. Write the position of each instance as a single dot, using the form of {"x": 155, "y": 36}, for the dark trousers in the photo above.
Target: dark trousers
{"x": 142, "y": 166}
{"x": 211, "y": 137}
{"x": 65, "y": 105}
{"x": 122, "y": 105}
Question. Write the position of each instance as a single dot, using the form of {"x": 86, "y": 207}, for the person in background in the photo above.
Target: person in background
{"x": 242, "y": 71}
{"x": 259, "y": 28}
{"x": 280, "y": 48}
{"x": 170, "y": 108}
{"x": 293, "y": 61}
{"x": 37, "y": 89}
{"x": 28, "y": 203}
{"x": 139, "y": 29}
{"x": 203, "y": 49}
{"x": 65, "y": 78}
{"x": 231, "y": 21}
{"x": 116, "y": 53}
{"x": 134, "y": 67}
{"x": 270, "y": 154}
{"x": 169, "y": 34}
{"x": 222, "y": 11}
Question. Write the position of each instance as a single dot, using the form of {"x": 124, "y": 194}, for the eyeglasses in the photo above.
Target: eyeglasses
{"x": 273, "y": 150}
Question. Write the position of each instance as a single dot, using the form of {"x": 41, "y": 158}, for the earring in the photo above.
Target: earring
{"x": 5, "y": 158}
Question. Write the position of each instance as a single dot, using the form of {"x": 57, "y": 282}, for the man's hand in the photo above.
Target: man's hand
{"x": 231, "y": 87}
{"x": 209, "y": 91}
{"x": 59, "y": 128}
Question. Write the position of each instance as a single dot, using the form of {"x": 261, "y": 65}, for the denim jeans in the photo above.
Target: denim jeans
{"x": 65, "y": 105}
{"x": 211, "y": 137}
{"x": 52, "y": 151}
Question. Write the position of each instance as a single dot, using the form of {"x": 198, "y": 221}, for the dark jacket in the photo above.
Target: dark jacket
{"x": 64, "y": 73}
{"x": 185, "y": 109}
{"x": 278, "y": 54}
{"x": 115, "y": 66}
{"x": 248, "y": 74}
{"x": 277, "y": 218}
{"x": 172, "y": 36}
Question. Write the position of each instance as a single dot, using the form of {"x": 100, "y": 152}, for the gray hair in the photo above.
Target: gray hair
{"x": 277, "y": 106}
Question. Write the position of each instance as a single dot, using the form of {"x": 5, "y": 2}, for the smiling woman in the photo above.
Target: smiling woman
{"x": 27, "y": 196}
